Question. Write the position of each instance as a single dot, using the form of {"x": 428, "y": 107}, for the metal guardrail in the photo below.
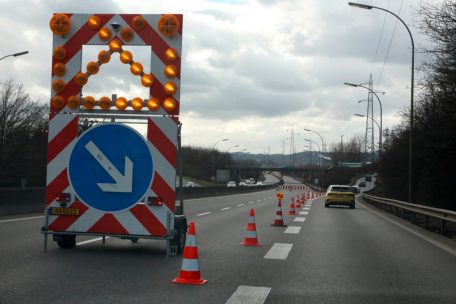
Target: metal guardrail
{"x": 413, "y": 211}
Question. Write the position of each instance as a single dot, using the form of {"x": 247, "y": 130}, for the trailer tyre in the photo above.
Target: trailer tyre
{"x": 66, "y": 241}
{"x": 180, "y": 233}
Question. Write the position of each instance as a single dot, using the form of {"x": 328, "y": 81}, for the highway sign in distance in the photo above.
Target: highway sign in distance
{"x": 110, "y": 167}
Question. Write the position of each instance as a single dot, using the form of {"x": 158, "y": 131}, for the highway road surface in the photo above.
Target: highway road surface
{"x": 325, "y": 255}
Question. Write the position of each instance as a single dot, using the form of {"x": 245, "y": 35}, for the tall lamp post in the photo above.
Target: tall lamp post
{"x": 365, "y": 6}
{"x": 322, "y": 141}
{"x": 213, "y": 156}
{"x": 318, "y": 159}
{"x": 228, "y": 153}
{"x": 381, "y": 108}
{"x": 14, "y": 55}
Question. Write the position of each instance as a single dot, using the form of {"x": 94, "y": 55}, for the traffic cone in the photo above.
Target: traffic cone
{"x": 278, "y": 221}
{"x": 251, "y": 238}
{"x": 298, "y": 203}
{"x": 292, "y": 208}
{"x": 189, "y": 273}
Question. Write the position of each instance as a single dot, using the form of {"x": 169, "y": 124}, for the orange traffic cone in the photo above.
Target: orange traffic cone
{"x": 278, "y": 220}
{"x": 189, "y": 273}
{"x": 251, "y": 238}
{"x": 292, "y": 208}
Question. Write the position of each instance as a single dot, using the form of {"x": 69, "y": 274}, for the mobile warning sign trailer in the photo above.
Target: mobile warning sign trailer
{"x": 106, "y": 179}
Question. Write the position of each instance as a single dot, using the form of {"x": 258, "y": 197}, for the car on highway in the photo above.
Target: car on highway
{"x": 362, "y": 184}
{"x": 355, "y": 189}
{"x": 340, "y": 195}
{"x": 231, "y": 184}
{"x": 368, "y": 178}
{"x": 259, "y": 183}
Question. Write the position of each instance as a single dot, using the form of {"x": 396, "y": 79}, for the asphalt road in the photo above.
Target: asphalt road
{"x": 338, "y": 255}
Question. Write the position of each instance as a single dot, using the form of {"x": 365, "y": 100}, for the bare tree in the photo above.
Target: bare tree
{"x": 22, "y": 131}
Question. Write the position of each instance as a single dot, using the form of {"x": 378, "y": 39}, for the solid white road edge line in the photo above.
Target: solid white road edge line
{"x": 249, "y": 295}
{"x": 279, "y": 251}
{"x": 21, "y": 219}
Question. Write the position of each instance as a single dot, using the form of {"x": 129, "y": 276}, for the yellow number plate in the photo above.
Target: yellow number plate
{"x": 64, "y": 211}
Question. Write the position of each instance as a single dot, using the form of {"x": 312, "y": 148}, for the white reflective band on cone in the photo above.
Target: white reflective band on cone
{"x": 190, "y": 265}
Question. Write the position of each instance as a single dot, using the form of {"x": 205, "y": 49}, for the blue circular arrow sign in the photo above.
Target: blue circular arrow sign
{"x": 110, "y": 167}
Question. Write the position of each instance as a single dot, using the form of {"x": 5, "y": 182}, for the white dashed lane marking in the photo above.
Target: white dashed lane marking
{"x": 293, "y": 229}
{"x": 226, "y": 208}
{"x": 258, "y": 200}
{"x": 249, "y": 295}
{"x": 305, "y": 208}
{"x": 303, "y": 212}
{"x": 299, "y": 219}
{"x": 279, "y": 251}
{"x": 204, "y": 213}
{"x": 250, "y": 203}
{"x": 240, "y": 205}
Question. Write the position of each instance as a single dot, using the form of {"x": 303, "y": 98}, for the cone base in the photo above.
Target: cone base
{"x": 250, "y": 243}
{"x": 279, "y": 225}
{"x": 189, "y": 281}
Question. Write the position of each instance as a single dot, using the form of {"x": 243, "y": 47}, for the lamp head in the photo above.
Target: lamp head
{"x": 360, "y": 5}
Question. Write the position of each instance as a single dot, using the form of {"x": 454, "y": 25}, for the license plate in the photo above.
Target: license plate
{"x": 64, "y": 211}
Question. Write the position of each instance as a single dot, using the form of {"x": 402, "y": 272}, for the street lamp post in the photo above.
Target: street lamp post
{"x": 381, "y": 109}
{"x": 319, "y": 162}
{"x": 322, "y": 142}
{"x": 228, "y": 153}
{"x": 365, "y": 6}
{"x": 15, "y": 55}
{"x": 213, "y": 157}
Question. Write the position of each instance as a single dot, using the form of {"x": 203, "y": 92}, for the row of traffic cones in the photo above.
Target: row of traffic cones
{"x": 190, "y": 273}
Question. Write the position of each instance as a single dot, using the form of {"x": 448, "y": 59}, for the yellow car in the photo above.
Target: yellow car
{"x": 340, "y": 195}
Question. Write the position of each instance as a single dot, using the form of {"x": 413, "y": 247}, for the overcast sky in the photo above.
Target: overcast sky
{"x": 251, "y": 69}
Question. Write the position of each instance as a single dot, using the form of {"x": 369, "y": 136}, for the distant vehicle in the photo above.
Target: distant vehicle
{"x": 362, "y": 184}
{"x": 355, "y": 189}
{"x": 340, "y": 195}
{"x": 368, "y": 178}
{"x": 242, "y": 184}
{"x": 259, "y": 183}
{"x": 191, "y": 185}
{"x": 231, "y": 184}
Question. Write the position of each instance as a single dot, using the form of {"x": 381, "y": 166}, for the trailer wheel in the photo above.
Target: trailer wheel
{"x": 66, "y": 241}
{"x": 180, "y": 233}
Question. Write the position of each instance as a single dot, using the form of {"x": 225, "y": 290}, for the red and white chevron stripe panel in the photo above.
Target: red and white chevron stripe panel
{"x": 141, "y": 219}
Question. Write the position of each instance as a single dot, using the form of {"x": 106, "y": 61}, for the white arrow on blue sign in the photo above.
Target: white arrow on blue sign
{"x": 111, "y": 167}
